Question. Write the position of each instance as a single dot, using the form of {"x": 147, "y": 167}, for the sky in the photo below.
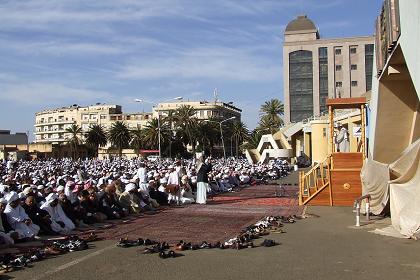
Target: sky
{"x": 56, "y": 53}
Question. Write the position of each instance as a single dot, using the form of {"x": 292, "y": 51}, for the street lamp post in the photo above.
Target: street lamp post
{"x": 221, "y": 133}
{"x": 154, "y": 104}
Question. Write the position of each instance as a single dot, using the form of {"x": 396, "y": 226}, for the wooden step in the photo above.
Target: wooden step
{"x": 347, "y": 160}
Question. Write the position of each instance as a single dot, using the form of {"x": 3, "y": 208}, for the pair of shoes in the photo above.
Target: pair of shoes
{"x": 170, "y": 254}
{"x": 91, "y": 237}
{"x": 148, "y": 242}
{"x": 190, "y": 246}
{"x": 52, "y": 251}
{"x": 268, "y": 243}
{"x": 181, "y": 246}
{"x": 205, "y": 245}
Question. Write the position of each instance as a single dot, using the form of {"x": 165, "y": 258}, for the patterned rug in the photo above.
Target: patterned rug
{"x": 223, "y": 217}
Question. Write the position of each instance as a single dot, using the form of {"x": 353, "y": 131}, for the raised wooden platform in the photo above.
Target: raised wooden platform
{"x": 345, "y": 181}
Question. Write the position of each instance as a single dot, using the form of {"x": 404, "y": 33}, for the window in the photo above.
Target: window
{"x": 338, "y": 67}
{"x": 337, "y": 51}
{"x": 353, "y": 67}
{"x": 354, "y": 83}
{"x": 338, "y": 84}
{"x": 300, "y": 85}
{"x": 368, "y": 65}
{"x": 353, "y": 50}
{"x": 323, "y": 78}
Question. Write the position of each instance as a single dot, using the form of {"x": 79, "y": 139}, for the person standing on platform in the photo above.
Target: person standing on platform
{"x": 203, "y": 180}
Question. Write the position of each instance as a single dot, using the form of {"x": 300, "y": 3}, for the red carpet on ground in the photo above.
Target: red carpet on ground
{"x": 223, "y": 217}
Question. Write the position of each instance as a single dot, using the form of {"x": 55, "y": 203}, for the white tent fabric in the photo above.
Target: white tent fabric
{"x": 375, "y": 176}
{"x": 405, "y": 191}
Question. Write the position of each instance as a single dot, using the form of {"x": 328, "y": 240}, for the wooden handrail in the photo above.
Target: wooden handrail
{"x": 316, "y": 173}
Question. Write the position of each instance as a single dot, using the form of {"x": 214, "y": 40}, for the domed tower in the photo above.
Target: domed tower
{"x": 301, "y": 29}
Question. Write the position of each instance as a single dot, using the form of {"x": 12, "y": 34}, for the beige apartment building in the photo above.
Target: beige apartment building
{"x": 316, "y": 69}
{"x": 51, "y": 125}
{"x": 204, "y": 110}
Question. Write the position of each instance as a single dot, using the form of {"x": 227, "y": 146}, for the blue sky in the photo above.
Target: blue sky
{"x": 56, "y": 53}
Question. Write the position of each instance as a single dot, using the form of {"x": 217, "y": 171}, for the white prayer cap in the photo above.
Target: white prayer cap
{"x": 40, "y": 187}
{"x": 27, "y": 190}
{"x": 2, "y": 188}
{"x": 3, "y": 200}
{"x": 51, "y": 197}
{"x": 59, "y": 189}
{"x": 130, "y": 187}
{"x": 12, "y": 196}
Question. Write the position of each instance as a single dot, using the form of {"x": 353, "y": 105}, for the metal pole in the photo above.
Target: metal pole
{"x": 223, "y": 142}
{"x": 357, "y": 214}
{"x": 159, "y": 133}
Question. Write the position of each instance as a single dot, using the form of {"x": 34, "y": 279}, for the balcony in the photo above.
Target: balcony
{"x": 54, "y": 122}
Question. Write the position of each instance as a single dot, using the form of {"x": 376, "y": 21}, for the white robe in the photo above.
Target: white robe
{"x": 5, "y": 237}
{"x": 57, "y": 215}
{"x": 16, "y": 218}
{"x": 202, "y": 192}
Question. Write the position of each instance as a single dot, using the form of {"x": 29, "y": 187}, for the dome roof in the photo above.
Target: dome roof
{"x": 301, "y": 23}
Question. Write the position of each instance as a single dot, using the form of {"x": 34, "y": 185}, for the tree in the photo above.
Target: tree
{"x": 239, "y": 133}
{"x": 151, "y": 133}
{"x": 270, "y": 113}
{"x": 186, "y": 125}
{"x": 207, "y": 135}
{"x": 119, "y": 136}
{"x": 136, "y": 139}
{"x": 252, "y": 140}
{"x": 74, "y": 140}
{"x": 96, "y": 137}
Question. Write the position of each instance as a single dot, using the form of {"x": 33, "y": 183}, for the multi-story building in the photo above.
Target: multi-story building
{"x": 316, "y": 69}
{"x": 204, "y": 110}
{"x": 51, "y": 125}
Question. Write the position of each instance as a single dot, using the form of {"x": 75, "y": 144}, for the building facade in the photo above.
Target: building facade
{"x": 51, "y": 125}
{"x": 204, "y": 110}
{"x": 394, "y": 108}
{"x": 316, "y": 69}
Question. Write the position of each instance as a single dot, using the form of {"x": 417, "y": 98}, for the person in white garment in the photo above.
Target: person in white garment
{"x": 143, "y": 182}
{"x": 18, "y": 219}
{"x": 6, "y": 237}
{"x": 60, "y": 222}
{"x": 186, "y": 191}
{"x": 173, "y": 185}
{"x": 202, "y": 179}
{"x": 342, "y": 139}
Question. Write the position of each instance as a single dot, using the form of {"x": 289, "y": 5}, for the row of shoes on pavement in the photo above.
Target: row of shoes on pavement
{"x": 10, "y": 262}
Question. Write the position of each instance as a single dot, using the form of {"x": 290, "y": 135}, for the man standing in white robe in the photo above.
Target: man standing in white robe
{"x": 60, "y": 222}
{"x": 18, "y": 219}
{"x": 342, "y": 139}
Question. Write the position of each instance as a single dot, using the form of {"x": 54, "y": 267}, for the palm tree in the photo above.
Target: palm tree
{"x": 186, "y": 124}
{"x": 252, "y": 140}
{"x": 267, "y": 124}
{"x": 151, "y": 133}
{"x": 136, "y": 139}
{"x": 239, "y": 133}
{"x": 74, "y": 140}
{"x": 270, "y": 113}
{"x": 208, "y": 134}
{"x": 119, "y": 136}
{"x": 96, "y": 137}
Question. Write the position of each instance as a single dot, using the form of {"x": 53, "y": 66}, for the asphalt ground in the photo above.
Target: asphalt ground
{"x": 324, "y": 246}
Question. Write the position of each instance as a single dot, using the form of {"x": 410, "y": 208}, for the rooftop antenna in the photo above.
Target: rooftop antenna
{"x": 216, "y": 95}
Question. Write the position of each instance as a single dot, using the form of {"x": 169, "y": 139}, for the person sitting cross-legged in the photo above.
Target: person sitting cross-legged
{"x": 38, "y": 216}
{"x": 110, "y": 205}
{"x": 7, "y": 235}
{"x": 18, "y": 219}
{"x": 60, "y": 222}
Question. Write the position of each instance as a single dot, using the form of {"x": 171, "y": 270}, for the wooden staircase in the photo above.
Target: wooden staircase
{"x": 334, "y": 182}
